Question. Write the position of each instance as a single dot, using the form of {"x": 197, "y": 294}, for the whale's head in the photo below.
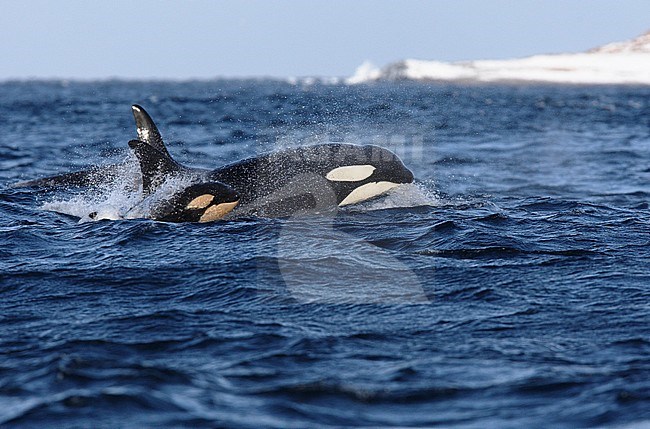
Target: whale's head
{"x": 359, "y": 173}
{"x": 202, "y": 202}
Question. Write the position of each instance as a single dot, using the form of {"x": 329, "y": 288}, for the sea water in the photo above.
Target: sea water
{"x": 508, "y": 287}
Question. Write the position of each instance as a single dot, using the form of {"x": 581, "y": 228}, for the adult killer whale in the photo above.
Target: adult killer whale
{"x": 284, "y": 182}
{"x": 281, "y": 183}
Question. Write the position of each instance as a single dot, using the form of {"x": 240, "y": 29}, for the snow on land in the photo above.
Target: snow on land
{"x": 615, "y": 63}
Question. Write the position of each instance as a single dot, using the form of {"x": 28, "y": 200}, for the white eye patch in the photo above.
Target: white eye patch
{"x": 350, "y": 173}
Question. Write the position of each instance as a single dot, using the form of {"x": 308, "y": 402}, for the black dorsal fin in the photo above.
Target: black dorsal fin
{"x": 154, "y": 165}
{"x": 147, "y": 131}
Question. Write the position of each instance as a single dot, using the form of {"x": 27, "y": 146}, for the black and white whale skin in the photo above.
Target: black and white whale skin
{"x": 281, "y": 183}
{"x": 203, "y": 202}
{"x": 284, "y": 182}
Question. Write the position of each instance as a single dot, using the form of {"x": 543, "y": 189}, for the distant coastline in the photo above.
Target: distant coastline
{"x": 626, "y": 62}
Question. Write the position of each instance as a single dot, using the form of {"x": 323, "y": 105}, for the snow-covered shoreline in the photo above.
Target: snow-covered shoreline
{"x": 616, "y": 63}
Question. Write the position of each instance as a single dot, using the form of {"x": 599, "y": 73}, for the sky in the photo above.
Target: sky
{"x": 186, "y": 39}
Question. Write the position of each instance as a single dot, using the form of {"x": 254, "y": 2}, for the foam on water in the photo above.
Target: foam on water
{"x": 109, "y": 200}
{"x": 118, "y": 198}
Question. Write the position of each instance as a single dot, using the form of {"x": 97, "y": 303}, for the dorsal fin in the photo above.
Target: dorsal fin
{"x": 154, "y": 165}
{"x": 147, "y": 131}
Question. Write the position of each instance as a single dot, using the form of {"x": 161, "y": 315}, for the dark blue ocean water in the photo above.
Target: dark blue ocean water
{"x": 509, "y": 288}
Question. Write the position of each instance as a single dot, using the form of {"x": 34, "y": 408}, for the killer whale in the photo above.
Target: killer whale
{"x": 283, "y": 182}
{"x": 203, "y": 202}
{"x": 279, "y": 183}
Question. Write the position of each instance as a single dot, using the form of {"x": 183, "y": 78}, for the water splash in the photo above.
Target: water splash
{"x": 120, "y": 197}
{"x": 144, "y": 208}
{"x": 109, "y": 199}
{"x": 402, "y": 196}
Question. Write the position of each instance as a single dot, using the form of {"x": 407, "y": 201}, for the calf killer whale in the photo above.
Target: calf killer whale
{"x": 202, "y": 202}
{"x": 281, "y": 183}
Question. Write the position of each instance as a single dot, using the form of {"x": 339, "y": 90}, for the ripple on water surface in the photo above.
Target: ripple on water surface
{"x": 507, "y": 288}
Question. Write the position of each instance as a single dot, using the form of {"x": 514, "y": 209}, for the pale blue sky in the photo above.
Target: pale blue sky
{"x": 208, "y": 38}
